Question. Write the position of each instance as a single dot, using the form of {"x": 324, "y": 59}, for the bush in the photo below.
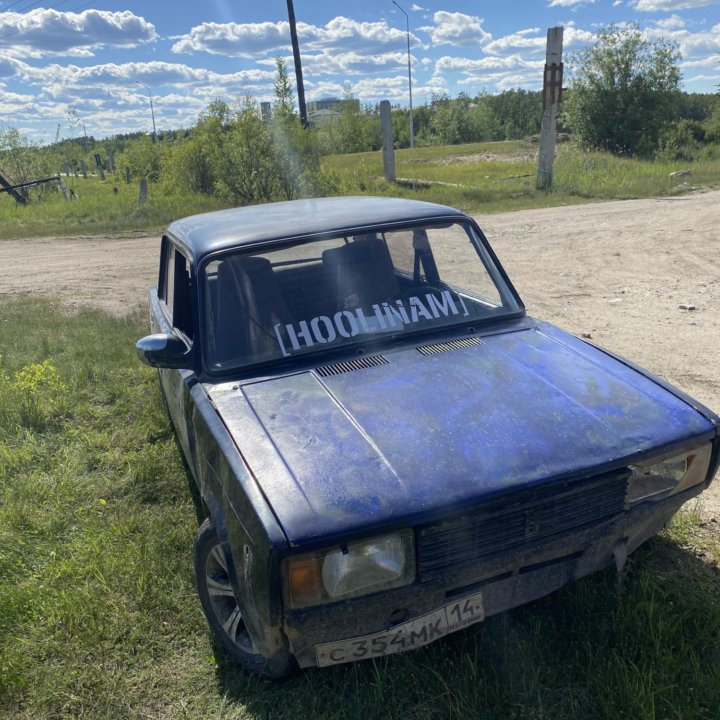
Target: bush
{"x": 683, "y": 140}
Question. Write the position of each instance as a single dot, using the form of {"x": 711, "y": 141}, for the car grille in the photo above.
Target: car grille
{"x": 521, "y": 518}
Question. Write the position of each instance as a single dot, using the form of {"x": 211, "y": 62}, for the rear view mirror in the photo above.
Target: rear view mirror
{"x": 165, "y": 351}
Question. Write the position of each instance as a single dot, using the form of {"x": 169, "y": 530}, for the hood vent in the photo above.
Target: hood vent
{"x": 351, "y": 365}
{"x": 449, "y": 345}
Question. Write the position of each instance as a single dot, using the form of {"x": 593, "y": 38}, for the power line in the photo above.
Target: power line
{"x": 17, "y": 2}
{"x": 27, "y": 16}
{"x": 17, "y": 27}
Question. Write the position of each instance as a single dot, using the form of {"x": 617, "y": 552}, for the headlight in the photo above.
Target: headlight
{"x": 659, "y": 479}
{"x": 350, "y": 570}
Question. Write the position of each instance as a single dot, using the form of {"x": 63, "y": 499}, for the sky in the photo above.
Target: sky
{"x": 72, "y": 66}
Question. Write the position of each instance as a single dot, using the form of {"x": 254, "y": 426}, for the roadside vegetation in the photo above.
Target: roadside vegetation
{"x": 99, "y": 617}
{"x": 625, "y": 124}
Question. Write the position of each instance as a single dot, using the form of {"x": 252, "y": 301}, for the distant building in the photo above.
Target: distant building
{"x": 327, "y": 109}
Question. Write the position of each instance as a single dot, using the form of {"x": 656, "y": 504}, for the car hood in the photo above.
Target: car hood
{"x": 421, "y": 433}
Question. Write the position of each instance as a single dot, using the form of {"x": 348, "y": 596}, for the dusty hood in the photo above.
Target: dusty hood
{"x": 419, "y": 433}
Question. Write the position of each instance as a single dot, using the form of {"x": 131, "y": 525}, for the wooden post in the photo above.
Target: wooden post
{"x": 20, "y": 199}
{"x": 127, "y": 175}
{"x": 552, "y": 87}
{"x": 143, "y": 191}
{"x": 388, "y": 149}
{"x": 111, "y": 160}
{"x": 63, "y": 187}
{"x": 83, "y": 169}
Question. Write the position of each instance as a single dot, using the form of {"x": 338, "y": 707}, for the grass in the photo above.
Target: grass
{"x": 493, "y": 177}
{"x": 98, "y": 613}
{"x": 480, "y": 177}
{"x": 98, "y": 210}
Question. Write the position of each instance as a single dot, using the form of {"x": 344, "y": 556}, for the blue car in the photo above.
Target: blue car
{"x": 387, "y": 448}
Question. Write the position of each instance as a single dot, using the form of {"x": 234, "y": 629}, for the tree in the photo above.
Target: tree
{"x": 246, "y": 168}
{"x": 624, "y": 91}
{"x": 283, "y": 91}
{"x": 20, "y": 160}
{"x": 143, "y": 157}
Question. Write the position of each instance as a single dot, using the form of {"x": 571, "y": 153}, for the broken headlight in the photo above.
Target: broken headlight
{"x": 660, "y": 478}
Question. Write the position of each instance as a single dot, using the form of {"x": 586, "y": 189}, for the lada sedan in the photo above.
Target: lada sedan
{"x": 387, "y": 448}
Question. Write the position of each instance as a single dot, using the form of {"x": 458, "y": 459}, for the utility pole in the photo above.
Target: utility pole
{"x": 152, "y": 112}
{"x": 298, "y": 67}
{"x": 552, "y": 89}
{"x": 407, "y": 35}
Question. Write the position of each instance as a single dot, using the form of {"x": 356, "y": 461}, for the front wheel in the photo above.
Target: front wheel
{"x": 222, "y": 610}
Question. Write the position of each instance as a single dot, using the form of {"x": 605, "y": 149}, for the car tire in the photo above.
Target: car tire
{"x": 222, "y": 611}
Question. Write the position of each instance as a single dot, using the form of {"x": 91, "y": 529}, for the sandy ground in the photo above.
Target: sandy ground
{"x": 621, "y": 272}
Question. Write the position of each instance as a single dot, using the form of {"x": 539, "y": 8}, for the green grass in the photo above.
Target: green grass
{"x": 98, "y": 613}
{"x": 98, "y": 210}
{"x": 480, "y": 177}
{"x": 492, "y": 177}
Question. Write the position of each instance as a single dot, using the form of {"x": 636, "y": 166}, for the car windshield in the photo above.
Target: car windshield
{"x": 270, "y": 303}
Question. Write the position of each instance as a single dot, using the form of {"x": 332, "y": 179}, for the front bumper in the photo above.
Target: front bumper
{"x": 504, "y": 582}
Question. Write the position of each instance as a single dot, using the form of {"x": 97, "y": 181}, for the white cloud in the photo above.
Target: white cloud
{"x": 450, "y": 64}
{"x": 395, "y": 89}
{"x": 252, "y": 39}
{"x": 458, "y": 29}
{"x": 47, "y": 32}
{"x": 494, "y": 72}
{"x": 9, "y": 100}
{"x": 417, "y": 8}
{"x": 570, "y": 3}
{"x": 234, "y": 39}
{"x": 8, "y": 67}
{"x": 153, "y": 74}
{"x": 692, "y": 45}
{"x": 342, "y": 33}
{"x": 533, "y": 41}
{"x": 348, "y": 64}
{"x": 670, "y": 5}
{"x": 672, "y": 23}
{"x": 704, "y": 79}
{"x": 711, "y": 62}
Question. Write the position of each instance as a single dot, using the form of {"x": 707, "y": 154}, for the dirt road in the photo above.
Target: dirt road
{"x": 622, "y": 272}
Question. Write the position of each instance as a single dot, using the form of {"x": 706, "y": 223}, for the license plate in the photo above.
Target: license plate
{"x": 407, "y": 636}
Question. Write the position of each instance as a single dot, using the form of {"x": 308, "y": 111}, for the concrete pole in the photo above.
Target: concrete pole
{"x": 388, "y": 149}
{"x": 552, "y": 86}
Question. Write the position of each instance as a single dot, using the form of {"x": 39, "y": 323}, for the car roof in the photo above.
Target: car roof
{"x": 202, "y": 235}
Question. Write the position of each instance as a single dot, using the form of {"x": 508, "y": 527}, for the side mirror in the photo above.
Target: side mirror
{"x": 165, "y": 351}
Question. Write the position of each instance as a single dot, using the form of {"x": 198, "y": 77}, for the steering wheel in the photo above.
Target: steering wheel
{"x": 420, "y": 291}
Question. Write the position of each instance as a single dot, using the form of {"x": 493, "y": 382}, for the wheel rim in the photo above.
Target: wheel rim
{"x": 223, "y": 600}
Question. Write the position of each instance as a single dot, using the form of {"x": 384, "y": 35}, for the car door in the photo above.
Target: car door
{"x": 175, "y": 288}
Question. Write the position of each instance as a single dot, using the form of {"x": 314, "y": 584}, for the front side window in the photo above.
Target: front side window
{"x": 307, "y": 297}
{"x": 175, "y": 289}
